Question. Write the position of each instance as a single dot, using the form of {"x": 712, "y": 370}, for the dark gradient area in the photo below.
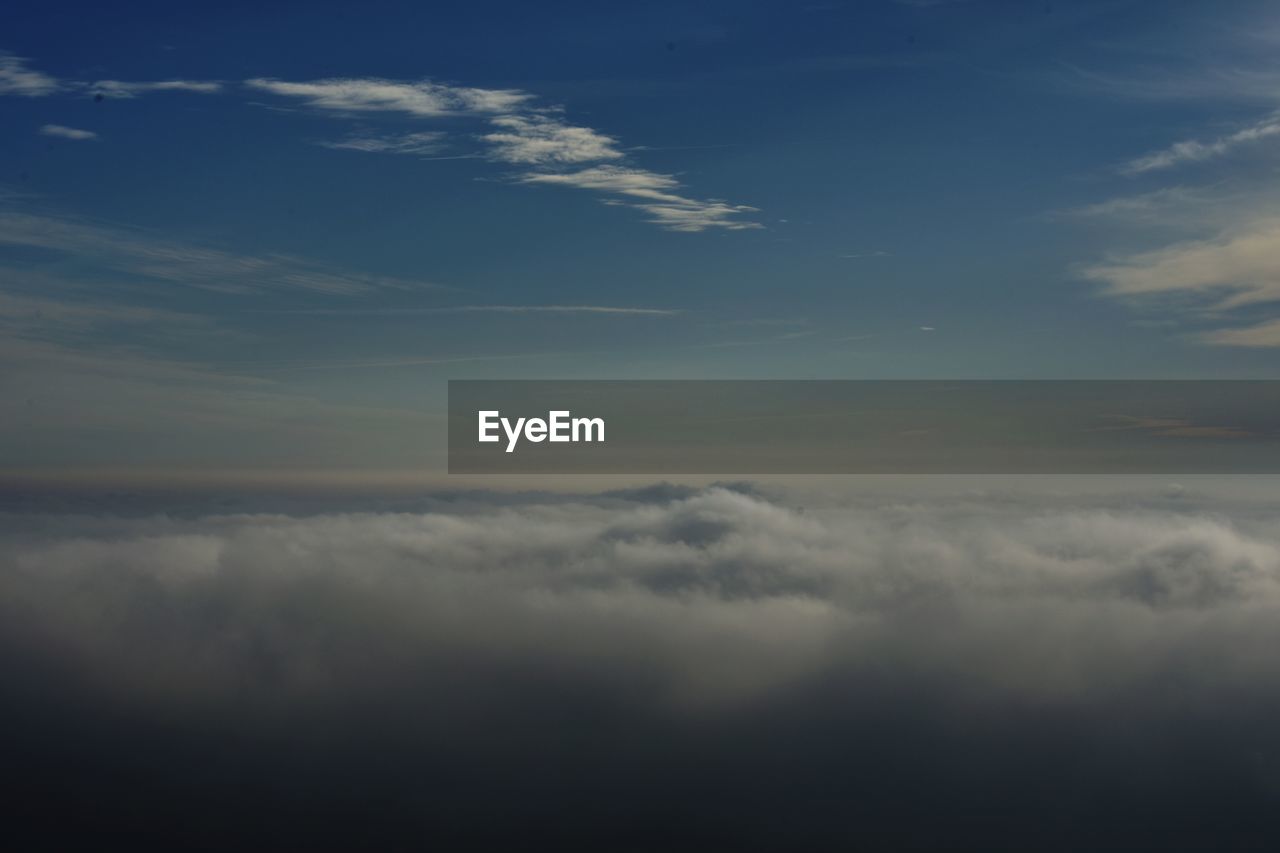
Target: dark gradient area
{"x": 840, "y": 766}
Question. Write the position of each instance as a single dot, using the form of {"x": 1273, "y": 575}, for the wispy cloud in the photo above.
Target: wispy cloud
{"x": 67, "y": 132}
{"x": 1259, "y": 336}
{"x": 138, "y": 253}
{"x": 1230, "y": 271}
{"x": 520, "y": 134}
{"x": 1193, "y": 151}
{"x": 122, "y": 89}
{"x": 562, "y": 309}
{"x": 16, "y": 78}
{"x": 638, "y": 183}
{"x": 1171, "y": 205}
{"x": 541, "y": 140}
{"x": 423, "y": 98}
{"x": 426, "y": 142}
{"x": 654, "y": 194}
{"x": 698, "y": 215}
{"x": 29, "y": 313}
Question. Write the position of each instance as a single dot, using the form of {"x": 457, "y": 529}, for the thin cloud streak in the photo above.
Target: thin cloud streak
{"x": 1193, "y": 151}
{"x": 64, "y": 132}
{"x": 139, "y": 253}
{"x": 122, "y": 89}
{"x": 423, "y": 99}
{"x": 428, "y": 142}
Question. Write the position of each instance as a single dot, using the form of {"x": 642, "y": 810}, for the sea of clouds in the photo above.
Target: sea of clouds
{"x": 701, "y": 657}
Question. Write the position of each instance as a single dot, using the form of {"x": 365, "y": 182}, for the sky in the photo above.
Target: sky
{"x": 237, "y": 236}
{"x": 244, "y": 246}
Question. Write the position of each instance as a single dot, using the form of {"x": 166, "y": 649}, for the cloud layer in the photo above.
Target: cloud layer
{"x": 651, "y": 645}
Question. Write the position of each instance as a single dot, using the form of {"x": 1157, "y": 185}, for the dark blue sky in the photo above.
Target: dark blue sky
{"x": 249, "y": 234}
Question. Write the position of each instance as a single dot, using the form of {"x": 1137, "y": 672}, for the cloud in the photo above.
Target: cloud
{"x": 425, "y": 142}
{"x": 17, "y": 79}
{"x": 142, "y": 254}
{"x": 121, "y": 89}
{"x": 692, "y": 663}
{"x": 1235, "y": 269}
{"x": 714, "y": 599}
{"x": 420, "y": 99}
{"x": 1193, "y": 151}
{"x": 1261, "y": 335}
{"x": 617, "y": 179}
{"x": 559, "y": 309}
{"x": 540, "y": 140}
{"x": 655, "y": 195}
{"x": 520, "y": 135}
{"x": 1179, "y": 206}
{"x": 66, "y": 132}
{"x": 28, "y": 313}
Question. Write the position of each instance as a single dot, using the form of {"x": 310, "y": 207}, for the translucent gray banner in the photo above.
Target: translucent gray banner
{"x": 672, "y": 427}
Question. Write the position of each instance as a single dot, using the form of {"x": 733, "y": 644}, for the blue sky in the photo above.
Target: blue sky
{"x": 240, "y": 236}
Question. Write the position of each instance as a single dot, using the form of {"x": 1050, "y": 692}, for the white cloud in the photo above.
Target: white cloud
{"x": 539, "y": 140}
{"x": 67, "y": 132}
{"x": 520, "y": 135}
{"x": 17, "y": 79}
{"x": 654, "y": 195}
{"x": 1192, "y": 151}
{"x": 1235, "y": 269}
{"x": 696, "y": 215}
{"x": 426, "y": 142}
{"x": 615, "y": 179}
{"x": 121, "y": 89}
{"x": 422, "y": 99}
